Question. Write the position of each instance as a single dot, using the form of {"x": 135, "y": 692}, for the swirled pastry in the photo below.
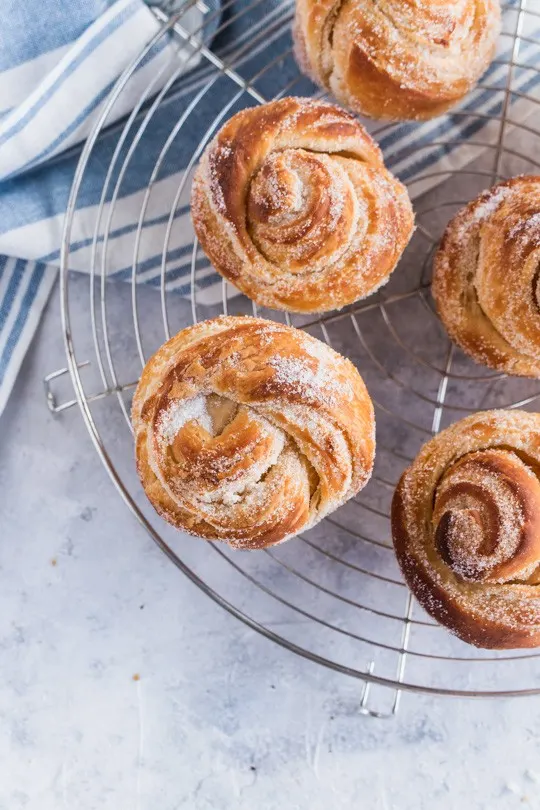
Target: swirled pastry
{"x": 292, "y": 203}
{"x": 466, "y": 528}
{"x": 486, "y": 278}
{"x": 249, "y": 431}
{"x": 396, "y": 58}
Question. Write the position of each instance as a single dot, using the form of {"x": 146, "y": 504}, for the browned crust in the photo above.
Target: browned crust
{"x": 396, "y": 60}
{"x": 360, "y": 249}
{"x": 474, "y": 247}
{"x": 232, "y": 357}
{"x": 435, "y": 601}
{"x": 381, "y": 97}
{"x": 499, "y": 613}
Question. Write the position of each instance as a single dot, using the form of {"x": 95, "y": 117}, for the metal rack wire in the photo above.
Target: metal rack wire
{"x": 335, "y": 595}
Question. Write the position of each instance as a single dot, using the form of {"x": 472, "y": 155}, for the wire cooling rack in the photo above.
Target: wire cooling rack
{"x": 335, "y": 594}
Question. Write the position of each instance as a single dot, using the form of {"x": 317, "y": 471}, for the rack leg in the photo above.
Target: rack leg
{"x": 52, "y": 402}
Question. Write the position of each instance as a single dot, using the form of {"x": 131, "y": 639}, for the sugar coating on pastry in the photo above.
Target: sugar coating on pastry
{"x": 466, "y": 528}
{"x": 485, "y": 278}
{"x": 249, "y": 431}
{"x": 396, "y": 59}
{"x": 293, "y": 204}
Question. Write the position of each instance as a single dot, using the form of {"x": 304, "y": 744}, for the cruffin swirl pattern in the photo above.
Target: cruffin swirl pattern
{"x": 396, "y": 58}
{"x": 466, "y": 528}
{"x": 292, "y": 203}
{"x": 249, "y": 431}
{"x": 486, "y": 277}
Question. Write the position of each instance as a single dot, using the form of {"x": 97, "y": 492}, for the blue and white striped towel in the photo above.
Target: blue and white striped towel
{"x": 58, "y": 62}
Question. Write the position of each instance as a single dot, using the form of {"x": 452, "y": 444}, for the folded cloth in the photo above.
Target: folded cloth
{"x": 59, "y": 61}
{"x": 57, "y": 69}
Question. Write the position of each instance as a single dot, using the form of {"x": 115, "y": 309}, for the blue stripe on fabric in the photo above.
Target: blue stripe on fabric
{"x": 3, "y": 262}
{"x": 11, "y": 291}
{"x": 22, "y": 316}
{"x": 445, "y": 127}
{"x": 462, "y": 130}
{"x": 116, "y": 233}
{"x": 471, "y": 129}
{"x": 173, "y": 274}
{"x": 44, "y": 191}
{"x": 151, "y": 263}
{"x": 451, "y": 121}
{"x": 76, "y": 123}
{"x": 54, "y": 145}
{"x": 184, "y": 271}
{"x": 21, "y": 203}
{"x": 400, "y": 132}
{"x": 27, "y": 35}
{"x": 113, "y": 24}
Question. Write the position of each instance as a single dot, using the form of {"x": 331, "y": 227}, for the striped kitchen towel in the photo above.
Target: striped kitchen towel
{"x": 58, "y": 64}
{"x": 59, "y": 60}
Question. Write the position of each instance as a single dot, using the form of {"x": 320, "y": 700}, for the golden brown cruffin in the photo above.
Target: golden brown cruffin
{"x": 466, "y": 528}
{"x": 249, "y": 431}
{"x": 396, "y": 59}
{"x": 293, "y": 204}
{"x": 485, "y": 278}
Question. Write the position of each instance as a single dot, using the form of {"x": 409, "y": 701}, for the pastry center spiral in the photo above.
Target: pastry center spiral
{"x": 486, "y": 517}
{"x": 302, "y": 209}
{"x": 221, "y": 453}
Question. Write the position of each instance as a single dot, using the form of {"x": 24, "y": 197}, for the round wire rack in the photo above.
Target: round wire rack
{"x": 335, "y": 594}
